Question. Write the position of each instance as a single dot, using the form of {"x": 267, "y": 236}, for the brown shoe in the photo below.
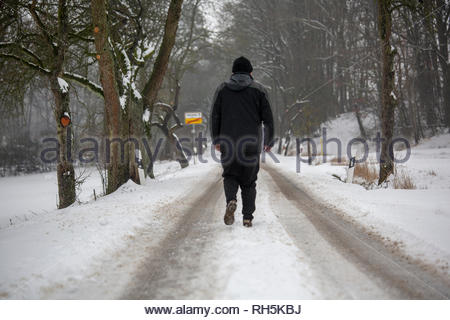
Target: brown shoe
{"x": 229, "y": 213}
{"x": 247, "y": 223}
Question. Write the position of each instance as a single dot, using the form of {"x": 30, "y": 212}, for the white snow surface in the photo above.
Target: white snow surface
{"x": 40, "y": 192}
{"x": 63, "y": 85}
{"x": 146, "y": 115}
{"x": 417, "y": 221}
{"x": 47, "y": 249}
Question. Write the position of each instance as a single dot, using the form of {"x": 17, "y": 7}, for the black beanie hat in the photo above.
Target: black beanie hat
{"x": 242, "y": 65}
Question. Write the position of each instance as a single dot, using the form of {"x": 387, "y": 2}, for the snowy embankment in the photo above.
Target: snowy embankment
{"x": 25, "y": 197}
{"x": 415, "y": 221}
{"x": 51, "y": 250}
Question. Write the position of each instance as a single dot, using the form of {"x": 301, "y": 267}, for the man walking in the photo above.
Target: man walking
{"x": 240, "y": 107}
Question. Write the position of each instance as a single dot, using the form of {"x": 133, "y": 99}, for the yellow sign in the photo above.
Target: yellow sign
{"x": 193, "y": 118}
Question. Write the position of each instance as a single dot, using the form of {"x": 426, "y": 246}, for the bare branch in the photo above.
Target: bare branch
{"x": 26, "y": 63}
{"x": 40, "y": 24}
{"x": 83, "y": 81}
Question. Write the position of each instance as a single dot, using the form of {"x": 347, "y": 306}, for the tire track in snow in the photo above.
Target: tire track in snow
{"x": 350, "y": 260}
{"x": 165, "y": 272}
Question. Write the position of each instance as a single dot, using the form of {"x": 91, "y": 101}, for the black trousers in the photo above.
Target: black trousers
{"x": 237, "y": 174}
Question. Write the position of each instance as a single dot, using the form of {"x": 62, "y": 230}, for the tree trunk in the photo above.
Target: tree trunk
{"x": 360, "y": 123}
{"x": 309, "y": 153}
{"x": 65, "y": 170}
{"x": 159, "y": 69}
{"x": 153, "y": 85}
{"x": 111, "y": 93}
{"x": 426, "y": 69}
{"x": 179, "y": 153}
{"x": 280, "y": 145}
{"x": 388, "y": 102}
{"x": 287, "y": 144}
{"x": 134, "y": 130}
{"x": 442, "y": 31}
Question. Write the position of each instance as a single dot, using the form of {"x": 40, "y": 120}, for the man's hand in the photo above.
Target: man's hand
{"x": 267, "y": 148}
{"x": 217, "y": 146}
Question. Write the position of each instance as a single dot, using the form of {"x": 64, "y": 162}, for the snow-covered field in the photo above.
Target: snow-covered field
{"x": 27, "y": 196}
{"x": 24, "y": 197}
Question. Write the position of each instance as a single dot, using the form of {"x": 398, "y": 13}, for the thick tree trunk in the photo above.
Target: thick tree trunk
{"x": 388, "y": 102}
{"x": 116, "y": 168}
{"x": 65, "y": 170}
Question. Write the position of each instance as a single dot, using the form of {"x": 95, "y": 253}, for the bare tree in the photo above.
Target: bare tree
{"x": 110, "y": 91}
{"x": 388, "y": 101}
{"x": 41, "y": 44}
{"x": 119, "y": 55}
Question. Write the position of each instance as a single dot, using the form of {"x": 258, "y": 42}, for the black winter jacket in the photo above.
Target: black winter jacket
{"x": 240, "y": 107}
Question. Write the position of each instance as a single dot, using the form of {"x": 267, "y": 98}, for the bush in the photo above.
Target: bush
{"x": 402, "y": 180}
{"x": 366, "y": 172}
{"x": 335, "y": 161}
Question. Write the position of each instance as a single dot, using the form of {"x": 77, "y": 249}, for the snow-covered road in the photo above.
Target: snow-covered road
{"x": 297, "y": 249}
{"x": 204, "y": 259}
